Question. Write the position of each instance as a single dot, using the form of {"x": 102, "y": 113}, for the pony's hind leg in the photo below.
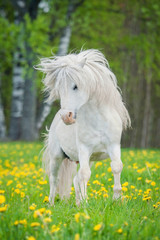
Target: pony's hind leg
{"x": 117, "y": 166}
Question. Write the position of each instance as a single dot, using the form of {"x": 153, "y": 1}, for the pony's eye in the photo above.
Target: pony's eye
{"x": 75, "y": 87}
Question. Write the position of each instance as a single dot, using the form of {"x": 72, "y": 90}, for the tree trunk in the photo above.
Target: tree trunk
{"x": 17, "y": 98}
{"x": 63, "y": 49}
{"x": 29, "y": 102}
{"x": 147, "y": 106}
{"x": 2, "y": 119}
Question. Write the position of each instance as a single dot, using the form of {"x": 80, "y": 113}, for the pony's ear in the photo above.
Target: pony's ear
{"x": 82, "y": 62}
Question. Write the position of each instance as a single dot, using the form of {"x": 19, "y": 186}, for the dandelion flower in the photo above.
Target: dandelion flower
{"x": 125, "y": 184}
{"x": 77, "y": 236}
{"x": 153, "y": 183}
{"x": 31, "y": 238}
{"x": 98, "y": 164}
{"x": 35, "y": 224}
{"x": 2, "y": 199}
{"x": 47, "y": 220}
{"x": 97, "y": 227}
{"x": 55, "y": 229}
{"x": 139, "y": 178}
{"x": 46, "y": 199}
{"x": 124, "y": 189}
{"x": 3, "y": 209}
{"x": 119, "y": 230}
{"x": 77, "y": 216}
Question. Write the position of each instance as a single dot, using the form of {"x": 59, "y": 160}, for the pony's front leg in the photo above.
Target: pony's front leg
{"x": 53, "y": 177}
{"x": 83, "y": 175}
{"x": 114, "y": 152}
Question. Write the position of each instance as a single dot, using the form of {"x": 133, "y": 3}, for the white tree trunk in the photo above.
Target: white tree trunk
{"x": 2, "y": 118}
{"x": 146, "y": 116}
{"x": 17, "y": 98}
{"x": 63, "y": 49}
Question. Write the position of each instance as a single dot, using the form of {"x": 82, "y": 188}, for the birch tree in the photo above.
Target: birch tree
{"x": 62, "y": 50}
{"x": 2, "y": 117}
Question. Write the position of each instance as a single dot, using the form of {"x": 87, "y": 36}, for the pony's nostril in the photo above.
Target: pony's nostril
{"x": 70, "y": 114}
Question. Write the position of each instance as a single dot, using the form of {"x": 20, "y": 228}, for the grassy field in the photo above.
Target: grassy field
{"x": 26, "y": 214}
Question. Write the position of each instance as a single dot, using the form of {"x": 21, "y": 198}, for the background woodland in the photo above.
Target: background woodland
{"x": 127, "y": 32}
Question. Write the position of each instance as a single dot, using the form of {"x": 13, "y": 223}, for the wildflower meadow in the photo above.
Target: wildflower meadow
{"x": 25, "y": 212}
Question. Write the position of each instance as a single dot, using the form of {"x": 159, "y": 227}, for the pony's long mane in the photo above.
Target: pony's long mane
{"x": 90, "y": 70}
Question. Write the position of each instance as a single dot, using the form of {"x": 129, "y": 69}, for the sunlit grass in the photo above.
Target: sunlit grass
{"x": 26, "y": 214}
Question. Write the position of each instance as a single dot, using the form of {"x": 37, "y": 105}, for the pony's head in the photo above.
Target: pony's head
{"x": 78, "y": 78}
{"x": 65, "y": 80}
{"x": 72, "y": 97}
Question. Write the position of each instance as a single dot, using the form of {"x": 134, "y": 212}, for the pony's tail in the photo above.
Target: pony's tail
{"x": 67, "y": 171}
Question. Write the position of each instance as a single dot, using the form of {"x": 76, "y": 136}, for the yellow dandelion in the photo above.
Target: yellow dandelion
{"x": 22, "y": 194}
{"x": 146, "y": 198}
{"x": 153, "y": 183}
{"x": 125, "y": 223}
{"x": 31, "y": 238}
{"x": 16, "y": 222}
{"x": 124, "y": 189}
{"x": 77, "y": 216}
{"x": 77, "y": 236}
{"x": 148, "y": 181}
{"x": 42, "y": 182}
{"x": 17, "y": 191}
{"x": 48, "y": 212}
{"x": 105, "y": 195}
{"x": 3, "y": 209}
{"x": 35, "y": 224}
{"x": 125, "y": 184}
{"x": 47, "y": 220}
{"x": 109, "y": 179}
{"x": 2, "y": 199}
{"x": 46, "y": 199}
{"x": 37, "y": 213}
{"x": 55, "y": 229}
{"x": 98, "y": 164}
{"x": 109, "y": 169}
{"x": 97, "y": 227}
{"x": 2, "y": 191}
{"x": 33, "y": 207}
{"x": 23, "y": 222}
{"x": 139, "y": 178}
{"x": 119, "y": 230}
{"x": 111, "y": 225}
{"x": 132, "y": 187}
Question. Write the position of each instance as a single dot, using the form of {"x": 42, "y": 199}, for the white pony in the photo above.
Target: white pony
{"x": 88, "y": 126}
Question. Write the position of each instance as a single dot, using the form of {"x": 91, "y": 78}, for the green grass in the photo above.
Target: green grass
{"x": 24, "y": 202}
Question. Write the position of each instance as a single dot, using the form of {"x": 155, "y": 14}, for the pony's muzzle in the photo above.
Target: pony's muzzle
{"x": 68, "y": 118}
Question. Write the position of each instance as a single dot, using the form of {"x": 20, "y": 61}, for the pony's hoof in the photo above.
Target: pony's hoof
{"x": 117, "y": 195}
